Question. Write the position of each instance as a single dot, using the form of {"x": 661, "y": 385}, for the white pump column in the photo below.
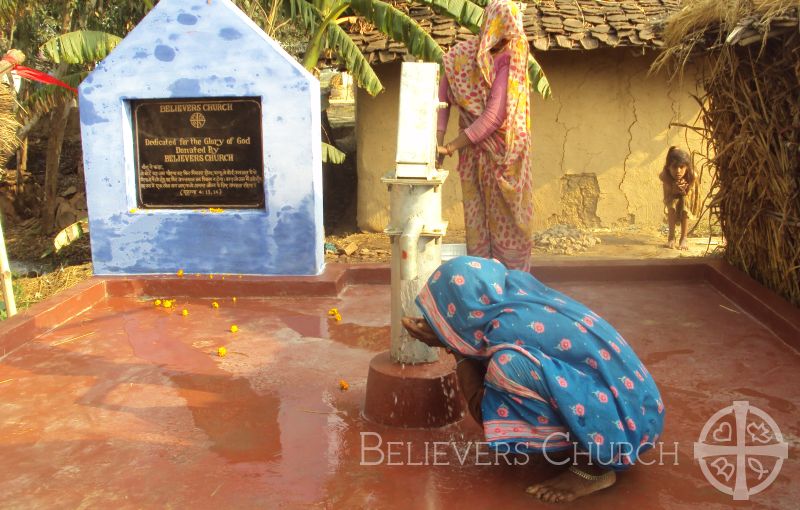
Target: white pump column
{"x": 415, "y": 186}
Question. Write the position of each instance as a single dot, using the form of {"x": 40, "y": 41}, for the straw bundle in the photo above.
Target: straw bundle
{"x": 8, "y": 119}
{"x": 8, "y": 123}
{"x": 708, "y": 24}
{"x": 751, "y": 112}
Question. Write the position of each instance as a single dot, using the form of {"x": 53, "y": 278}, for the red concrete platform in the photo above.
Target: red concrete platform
{"x": 413, "y": 396}
{"x": 107, "y": 400}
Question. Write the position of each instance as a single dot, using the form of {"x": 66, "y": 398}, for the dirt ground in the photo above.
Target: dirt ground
{"x": 38, "y": 273}
{"x": 36, "y": 279}
{"x": 375, "y": 247}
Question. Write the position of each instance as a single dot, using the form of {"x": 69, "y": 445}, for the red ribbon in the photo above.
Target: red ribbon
{"x": 33, "y": 74}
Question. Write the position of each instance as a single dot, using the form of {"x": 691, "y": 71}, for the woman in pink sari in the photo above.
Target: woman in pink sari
{"x": 486, "y": 78}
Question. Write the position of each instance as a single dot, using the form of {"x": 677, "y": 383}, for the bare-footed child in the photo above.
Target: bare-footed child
{"x": 677, "y": 178}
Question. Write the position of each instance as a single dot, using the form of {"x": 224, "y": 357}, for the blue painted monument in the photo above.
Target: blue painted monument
{"x": 201, "y": 142}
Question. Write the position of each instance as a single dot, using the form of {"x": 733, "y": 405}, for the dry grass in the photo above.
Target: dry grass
{"x": 702, "y": 25}
{"x": 33, "y": 290}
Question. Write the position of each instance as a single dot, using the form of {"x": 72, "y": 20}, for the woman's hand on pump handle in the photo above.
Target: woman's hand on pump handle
{"x": 441, "y": 152}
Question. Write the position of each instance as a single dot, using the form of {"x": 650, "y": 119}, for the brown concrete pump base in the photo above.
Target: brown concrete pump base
{"x": 413, "y": 396}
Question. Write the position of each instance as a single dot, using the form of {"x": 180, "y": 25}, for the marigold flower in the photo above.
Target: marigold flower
{"x": 180, "y": 273}
{"x": 184, "y": 312}
{"x": 333, "y": 312}
{"x": 132, "y": 211}
{"x": 338, "y": 317}
{"x": 234, "y": 328}
{"x": 157, "y": 302}
{"x": 167, "y": 303}
{"x": 234, "y": 299}
{"x": 215, "y": 210}
{"x": 222, "y": 351}
{"x": 343, "y": 385}
{"x": 214, "y": 304}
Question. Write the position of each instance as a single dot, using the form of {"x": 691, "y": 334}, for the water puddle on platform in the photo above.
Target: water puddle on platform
{"x": 373, "y": 338}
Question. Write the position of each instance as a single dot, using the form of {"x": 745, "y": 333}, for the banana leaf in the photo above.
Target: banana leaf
{"x": 399, "y": 27}
{"x": 331, "y": 154}
{"x": 80, "y": 47}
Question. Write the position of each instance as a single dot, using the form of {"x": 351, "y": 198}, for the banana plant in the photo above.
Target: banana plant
{"x": 324, "y": 17}
{"x": 469, "y": 14}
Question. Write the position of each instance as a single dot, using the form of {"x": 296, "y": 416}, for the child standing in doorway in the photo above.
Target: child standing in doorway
{"x": 677, "y": 178}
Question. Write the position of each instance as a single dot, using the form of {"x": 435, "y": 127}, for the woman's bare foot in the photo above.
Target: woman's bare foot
{"x": 684, "y": 244}
{"x": 569, "y": 486}
{"x": 670, "y": 243}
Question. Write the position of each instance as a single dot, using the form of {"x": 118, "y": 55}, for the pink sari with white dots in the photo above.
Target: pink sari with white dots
{"x": 495, "y": 173}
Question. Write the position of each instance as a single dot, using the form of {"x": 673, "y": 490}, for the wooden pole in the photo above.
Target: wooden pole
{"x": 6, "y": 287}
{"x": 5, "y": 277}
{"x": 22, "y": 166}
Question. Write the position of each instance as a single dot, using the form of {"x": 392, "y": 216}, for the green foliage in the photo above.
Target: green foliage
{"x": 43, "y": 99}
{"x": 68, "y": 235}
{"x": 399, "y": 27}
{"x": 18, "y": 300}
{"x": 80, "y": 47}
{"x": 8, "y": 9}
{"x": 352, "y": 58}
{"x": 538, "y": 79}
{"x": 469, "y": 14}
{"x": 305, "y": 12}
{"x": 466, "y": 13}
{"x": 331, "y": 154}
{"x": 64, "y": 38}
{"x": 321, "y": 19}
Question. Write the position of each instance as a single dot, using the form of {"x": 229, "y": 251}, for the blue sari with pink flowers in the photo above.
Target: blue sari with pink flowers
{"x": 559, "y": 377}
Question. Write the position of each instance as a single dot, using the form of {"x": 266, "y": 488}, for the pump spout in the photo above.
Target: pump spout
{"x": 409, "y": 245}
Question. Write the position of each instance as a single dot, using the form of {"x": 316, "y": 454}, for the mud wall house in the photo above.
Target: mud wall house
{"x": 598, "y": 144}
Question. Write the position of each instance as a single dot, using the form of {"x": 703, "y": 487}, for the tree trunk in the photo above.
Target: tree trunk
{"x": 54, "y": 144}
{"x": 22, "y": 167}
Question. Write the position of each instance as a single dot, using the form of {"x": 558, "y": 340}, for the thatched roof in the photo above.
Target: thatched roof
{"x": 749, "y": 80}
{"x": 739, "y": 22}
{"x": 702, "y": 25}
{"x": 550, "y": 25}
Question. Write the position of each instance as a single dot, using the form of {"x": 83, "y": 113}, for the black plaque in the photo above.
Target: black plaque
{"x": 198, "y": 153}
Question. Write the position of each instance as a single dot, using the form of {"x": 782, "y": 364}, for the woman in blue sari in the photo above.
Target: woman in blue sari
{"x": 541, "y": 372}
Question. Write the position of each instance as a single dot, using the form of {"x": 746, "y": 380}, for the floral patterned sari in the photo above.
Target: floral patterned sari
{"x": 559, "y": 376}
